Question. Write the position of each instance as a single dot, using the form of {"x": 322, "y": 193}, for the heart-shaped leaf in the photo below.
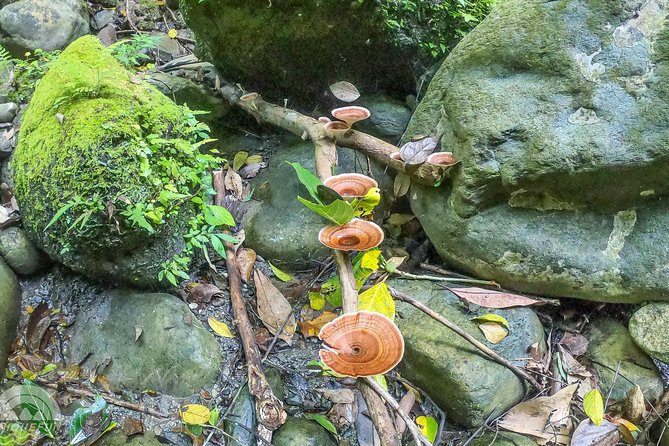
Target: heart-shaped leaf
{"x": 416, "y": 152}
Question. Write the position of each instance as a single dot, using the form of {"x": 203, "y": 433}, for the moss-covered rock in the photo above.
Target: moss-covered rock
{"x": 648, "y": 328}
{"x": 558, "y": 114}
{"x": 98, "y": 147}
{"x": 10, "y": 306}
{"x": 117, "y": 438}
{"x": 611, "y": 346}
{"x": 463, "y": 382}
{"x": 20, "y": 253}
{"x": 297, "y": 48}
{"x": 301, "y": 432}
{"x": 173, "y": 352}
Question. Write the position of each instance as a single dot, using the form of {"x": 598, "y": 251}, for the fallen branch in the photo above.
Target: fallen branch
{"x": 108, "y": 398}
{"x": 492, "y": 354}
{"x": 445, "y": 279}
{"x": 307, "y": 127}
{"x": 269, "y": 409}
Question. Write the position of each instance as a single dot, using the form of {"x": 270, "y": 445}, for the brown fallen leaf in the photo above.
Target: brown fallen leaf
{"x": 338, "y": 396}
{"x": 576, "y": 343}
{"x": 273, "y": 308}
{"x": 246, "y": 258}
{"x": 312, "y": 327}
{"x": 132, "y": 426}
{"x": 234, "y": 184}
{"x": 406, "y": 403}
{"x": 203, "y": 292}
{"x": 493, "y": 299}
{"x": 541, "y": 417}
{"x": 493, "y": 332}
{"x": 635, "y": 404}
{"x": 38, "y": 323}
{"x": 138, "y": 332}
{"x": 571, "y": 366}
{"x": 589, "y": 434}
{"x": 344, "y": 91}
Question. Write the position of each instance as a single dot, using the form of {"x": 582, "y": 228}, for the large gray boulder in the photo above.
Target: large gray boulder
{"x": 10, "y": 307}
{"x": 457, "y": 376}
{"x": 46, "y": 24}
{"x": 558, "y": 112}
{"x": 648, "y": 328}
{"x": 152, "y": 340}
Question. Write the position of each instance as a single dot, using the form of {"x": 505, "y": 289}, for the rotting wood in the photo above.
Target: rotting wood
{"x": 269, "y": 409}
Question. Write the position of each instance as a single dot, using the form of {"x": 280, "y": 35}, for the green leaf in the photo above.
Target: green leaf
{"x": 308, "y": 179}
{"x": 218, "y": 216}
{"x": 492, "y": 318}
{"x": 60, "y": 213}
{"x": 213, "y": 418}
{"x": 327, "y": 195}
{"x": 322, "y": 420}
{"x": 381, "y": 379}
{"x": 338, "y": 212}
{"x": 281, "y": 275}
{"x": 593, "y": 406}
{"x": 378, "y": 299}
{"x": 316, "y": 300}
{"x": 370, "y": 259}
{"x": 218, "y": 247}
{"x": 239, "y": 160}
{"x": 428, "y": 426}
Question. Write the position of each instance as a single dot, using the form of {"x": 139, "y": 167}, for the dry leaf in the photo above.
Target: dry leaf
{"x": 493, "y": 299}
{"x": 138, "y": 332}
{"x": 132, "y": 426}
{"x": 539, "y": 416}
{"x": 220, "y": 328}
{"x": 493, "y": 332}
{"x": 233, "y": 183}
{"x": 203, "y": 292}
{"x": 406, "y": 403}
{"x": 312, "y": 327}
{"x": 401, "y": 185}
{"x": 635, "y": 404}
{"x": 344, "y": 91}
{"x": 338, "y": 396}
{"x": 273, "y": 308}
{"x": 571, "y": 366}
{"x": 246, "y": 258}
{"x": 589, "y": 434}
{"x": 576, "y": 343}
{"x": 239, "y": 160}
{"x": 416, "y": 152}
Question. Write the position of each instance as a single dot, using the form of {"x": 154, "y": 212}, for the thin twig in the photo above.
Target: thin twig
{"x": 445, "y": 279}
{"x": 108, "y": 398}
{"x": 417, "y": 435}
{"x": 469, "y": 338}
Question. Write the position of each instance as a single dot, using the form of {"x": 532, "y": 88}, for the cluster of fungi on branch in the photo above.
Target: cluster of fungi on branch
{"x": 362, "y": 343}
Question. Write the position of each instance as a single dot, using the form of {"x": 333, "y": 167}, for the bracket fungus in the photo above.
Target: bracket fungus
{"x": 441, "y": 159}
{"x": 354, "y": 185}
{"x": 337, "y": 127}
{"x": 250, "y": 98}
{"x": 356, "y": 235}
{"x": 351, "y": 114}
{"x": 396, "y": 156}
{"x": 361, "y": 344}
{"x": 324, "y": 120}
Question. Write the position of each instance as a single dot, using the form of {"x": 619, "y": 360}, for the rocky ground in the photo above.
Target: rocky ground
{"x": 93, "y": 317}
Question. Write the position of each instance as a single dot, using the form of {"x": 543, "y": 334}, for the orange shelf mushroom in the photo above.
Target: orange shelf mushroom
{"x": 354, "y": 185}
{"x": 337, "y": 127}
{"x": 361, "y": 344}
{"x": 356, "y": 235}
{"x": 441, "y": 158}
{"x": 351, "y": 114}
{"x": 396, "y": 156}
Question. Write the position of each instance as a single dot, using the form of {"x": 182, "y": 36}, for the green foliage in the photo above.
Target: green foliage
{"x": 435, "y": 26}
{"x": 89, "y": 423}
{"x": 28, "y": 71}
{"x": 593, "y": 406}
{"x": 14, "y": 434}
{"x": 133, "y": 52}
{"x": 338, "y": 212}
{"x": 4, "y": 55}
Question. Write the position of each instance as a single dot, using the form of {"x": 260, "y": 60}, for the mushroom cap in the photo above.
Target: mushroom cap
{"x": 248, "y": 97}
{"x": 351, "y": 184}
{"x": 324, "y": 119}
{"x": 351, "y": 114}
{"x": 441, "y": 158}
{"x": 361, "y": 344}
{"x": 337, "y": 126}
{"x": 396, "y": 156}
{"x": 356, "y": 235}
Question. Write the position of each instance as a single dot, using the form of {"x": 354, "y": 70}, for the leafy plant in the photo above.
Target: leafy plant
{"x": 28, "y": 71}
{"x": 196, "y": 417}
{"x": 133, "y": 52}
{"x": 4, "y": 55}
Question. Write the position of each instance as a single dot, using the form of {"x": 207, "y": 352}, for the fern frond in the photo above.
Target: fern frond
{"x": 4, "y": 54}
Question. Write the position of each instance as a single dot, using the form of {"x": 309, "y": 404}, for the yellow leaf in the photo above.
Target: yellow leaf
{"x": 281, "y": 275}
{"x": 381, "y": 379}
{"x": 220, "y": 328}
{"x": 496, "y": 318}
{"x": 313, "y": 327}
{"x": 253, "y": 159}
{"x": 160, "y": 2}
{"x": 378, "y": 299}
{"x": 370, "y": 259}
{"x": 172, "y": 33}
{"x": 593, "y": 406}
{"x": 493, "y": 332}
{"x": 194, "y": 414}
{"x": 316, "y": 300}
{"x": 428, "y": 426}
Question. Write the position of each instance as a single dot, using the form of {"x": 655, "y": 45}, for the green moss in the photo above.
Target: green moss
{"x": 120, "y": 143}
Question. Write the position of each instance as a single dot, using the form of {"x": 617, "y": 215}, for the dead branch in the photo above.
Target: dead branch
{"x": 309, "y": 128}
{"x": 379, "y": 414}
{"x": 469, "y": 338}
{"x": 108, "y": 398}
{"x": 269, "y": 409}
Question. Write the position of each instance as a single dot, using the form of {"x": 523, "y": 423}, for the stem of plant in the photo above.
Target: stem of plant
{"x": 445, "y": 279}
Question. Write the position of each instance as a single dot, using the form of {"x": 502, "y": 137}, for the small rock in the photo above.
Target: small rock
{"x": 46, "y": 24}
{"x": 648, "y": 328}
{"x": 102, "y": 18}
{"x": 19, "y": 252}
{"x": 389, "y": 117}
{"x": 10, "y": 306}
{"x": 6, "y": 144}
{"x": 610, "y": 344}
{"x": 8, "y": 111}
{"x": 116, "y": 438}
{"x": 462, "y": 381}
{"x": 502, "y": 438}
{"x": 107, "y": 35}
{"x": 175, "y": 354}
{"x": 302, "y": 432}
